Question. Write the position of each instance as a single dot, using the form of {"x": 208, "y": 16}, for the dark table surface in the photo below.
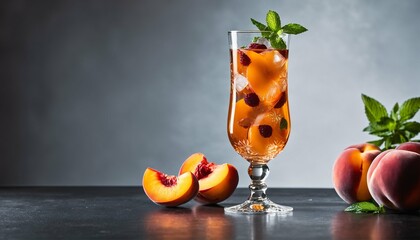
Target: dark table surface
{"x": 126, "y": 213}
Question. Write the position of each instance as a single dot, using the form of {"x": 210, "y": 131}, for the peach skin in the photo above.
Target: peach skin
{"x": 394, "y": 178}
{"x": 217, "y": 182}
{"x": 350, "y": 171}
{"x": 168, "y": 190}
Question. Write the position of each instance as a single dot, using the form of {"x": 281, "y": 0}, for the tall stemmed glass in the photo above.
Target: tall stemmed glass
{"x": 258, "y": 119}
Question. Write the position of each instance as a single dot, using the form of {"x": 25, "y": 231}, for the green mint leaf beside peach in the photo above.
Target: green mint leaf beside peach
{"x": 392, "y": 129}
{"x": 365, "y": 207}
{"x": 364, "y": 173}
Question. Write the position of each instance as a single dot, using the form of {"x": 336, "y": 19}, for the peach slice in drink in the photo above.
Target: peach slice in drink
{"x": 269, "y": 134}
{"x": 266, "y": 74}
{"x": 241, "y": 68}
{"x": 244, "y": 117}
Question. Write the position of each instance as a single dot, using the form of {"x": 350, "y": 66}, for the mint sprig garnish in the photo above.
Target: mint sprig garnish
{"x": 294, "y": 28}
{"x": 393, "y": 128}
{"x": 273, "y": 31}
{"x": 273, "y": 21}
{"x": 365, "y": 207}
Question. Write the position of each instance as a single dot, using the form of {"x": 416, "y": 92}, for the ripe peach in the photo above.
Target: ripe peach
{"x": 350, "y": 170}
{"x": 410, "y": 146}
{"x": 168, "y": 190}
{"x": 394, "y": 178}
{"x": 217, "y": 182}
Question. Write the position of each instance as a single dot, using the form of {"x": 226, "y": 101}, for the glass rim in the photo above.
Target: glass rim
{"x": 251, "y": 32}
{"x": 246, "y": 31}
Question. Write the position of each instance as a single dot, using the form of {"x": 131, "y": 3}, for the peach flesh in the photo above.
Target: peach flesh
{"x": 217, "y": 182}
{"x": 204, "y": 169}
{"x": 168, "y": 190}
{"x": 218, "y": 186}
{"x": 167, "y": 180}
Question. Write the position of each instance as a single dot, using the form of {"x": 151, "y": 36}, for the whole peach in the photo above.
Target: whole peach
{"x": 350, "y": 170}
{"x": 410, "y": 146}
{"x": 394, "y": 178}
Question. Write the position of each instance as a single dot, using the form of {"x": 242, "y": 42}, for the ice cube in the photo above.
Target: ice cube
{"x": 264, "y": 41}
{"x": 240, "y": 82}
{"x": 279, "y": 59}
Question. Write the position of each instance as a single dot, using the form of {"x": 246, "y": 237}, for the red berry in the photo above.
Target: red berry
{"x": 265, "y": 130}
{"x": 252, "y": 99}
{"x": 257, "y": 46}
{"x": 244, "y": 59}
{"x": 281, "y": 101}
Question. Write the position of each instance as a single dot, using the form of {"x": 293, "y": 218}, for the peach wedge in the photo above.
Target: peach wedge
{"x": 169, "y": 191}
{"x": 217, "y": 182}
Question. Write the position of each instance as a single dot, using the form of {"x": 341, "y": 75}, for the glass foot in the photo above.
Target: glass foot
{"x": 259, "y": 207}
{"x": 258, "y": 201}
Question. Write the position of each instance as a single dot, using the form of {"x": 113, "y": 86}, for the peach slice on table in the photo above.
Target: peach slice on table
{"x": 217, "y": 182}
{"x": 168, "y": 190}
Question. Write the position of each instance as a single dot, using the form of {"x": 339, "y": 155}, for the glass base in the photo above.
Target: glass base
{"x": 259, "y": 207}
{"x": 258, "y": 202}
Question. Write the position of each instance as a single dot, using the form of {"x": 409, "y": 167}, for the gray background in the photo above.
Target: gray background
{"x": 93, "y": 92}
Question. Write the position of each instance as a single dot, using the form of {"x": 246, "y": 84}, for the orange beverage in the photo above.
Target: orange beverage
{"x": 258, "y": 119}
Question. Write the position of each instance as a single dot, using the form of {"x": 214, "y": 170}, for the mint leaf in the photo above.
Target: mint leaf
{"x": 283, "y": 124}
{"x": 394, "y": 112}
{"x": 393, "y": 129}
{"x": 387, "y": 122}
{"x": 380, "y": 131}
{"x": 294, "y": 28}
{"x": 374, "y": 110}
{"x": 413, "y": 127}
{"x": 409, "y": 108}
{"x": 277, "y": 42}
{"x": 365, "y": 207}
{"x": 273, "y": 30}
{"x": 265, "y": 30}
{"x": 377, "y": 142}
{"x": 259, "y": 25}
{"x": 398, "y": 137}
{"x": 273, "y": 21}
{"x": 388, "y": 143}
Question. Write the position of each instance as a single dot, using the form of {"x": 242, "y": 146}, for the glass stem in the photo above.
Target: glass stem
{"x": 258, "y": 173}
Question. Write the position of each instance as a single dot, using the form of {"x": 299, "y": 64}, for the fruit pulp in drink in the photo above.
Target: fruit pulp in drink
{"x": 259, "y": 118}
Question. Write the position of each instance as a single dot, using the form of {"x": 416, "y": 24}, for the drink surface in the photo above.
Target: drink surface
{"x": 258, "y": 119}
